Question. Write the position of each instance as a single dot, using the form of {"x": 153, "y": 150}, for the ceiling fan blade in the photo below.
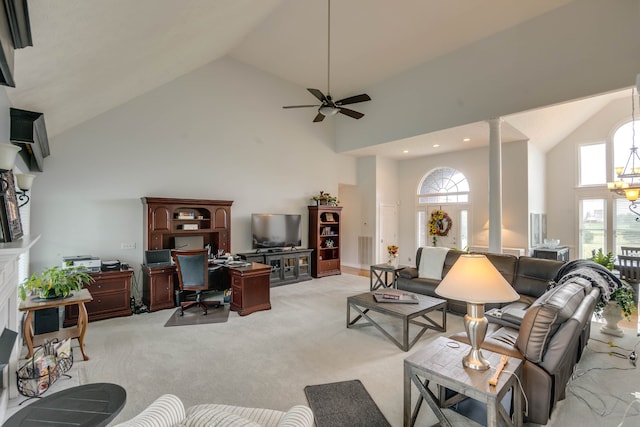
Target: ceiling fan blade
{"x": 351, "y": 113}
{"x": 354, "y": 99}
{"x": 319, "y": 118}
{"x": 317, "y": 94}
{"x": 300, "y": 106}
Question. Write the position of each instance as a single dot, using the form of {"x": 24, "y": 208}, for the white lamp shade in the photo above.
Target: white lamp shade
{"x": 329, "y": 111}
{"x": 8, "y": 156}
{"x": 25, "y": 181}
{"x": 474, "y": 279}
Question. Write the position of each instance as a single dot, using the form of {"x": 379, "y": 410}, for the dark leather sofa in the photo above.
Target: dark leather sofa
{"x": 548, "y": 327}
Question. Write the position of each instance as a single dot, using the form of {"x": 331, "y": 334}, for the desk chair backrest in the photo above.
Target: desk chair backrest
{"x": 629, "y": 267}
{"x": 193, "y": 269}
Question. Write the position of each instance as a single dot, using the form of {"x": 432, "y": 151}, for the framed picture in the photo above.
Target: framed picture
{"x": 9, "y": 211}
{"x": 329, "y": 217}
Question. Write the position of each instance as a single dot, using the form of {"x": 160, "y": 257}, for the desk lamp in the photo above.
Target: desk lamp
{"x": 474, "y": 280}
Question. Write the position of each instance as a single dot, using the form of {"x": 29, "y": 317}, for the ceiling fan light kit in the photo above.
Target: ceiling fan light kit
{"x": 328, "y": 106}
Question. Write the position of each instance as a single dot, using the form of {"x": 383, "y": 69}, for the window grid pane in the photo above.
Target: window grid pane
{"x": 627, "y": 230}
{"x": 592, "y": 227}
{"x": 593, "y": 164}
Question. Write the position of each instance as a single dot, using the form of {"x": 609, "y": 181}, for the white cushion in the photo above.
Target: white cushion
{"x": 205, "y": 417}
{"x": 431, "y": 262}
{"x": 263, "y": 417}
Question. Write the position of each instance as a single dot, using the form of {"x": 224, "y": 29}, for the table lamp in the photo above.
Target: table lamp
{"x": 474, "y": 280}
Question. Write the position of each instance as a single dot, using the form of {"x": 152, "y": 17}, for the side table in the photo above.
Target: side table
{"x": 441, "y": 363}
{"x": 379, "y": 276}
{"x": 34, "y": 304}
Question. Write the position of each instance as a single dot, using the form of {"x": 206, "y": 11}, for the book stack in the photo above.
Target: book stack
{"x": 394, "y": 295}
{"x": 186, "y": 215}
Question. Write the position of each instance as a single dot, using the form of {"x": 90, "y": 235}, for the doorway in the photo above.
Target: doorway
{"x": 388, "y": 230}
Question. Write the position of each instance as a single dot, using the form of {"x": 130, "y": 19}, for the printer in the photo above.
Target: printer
{"x": 93, "y": 264}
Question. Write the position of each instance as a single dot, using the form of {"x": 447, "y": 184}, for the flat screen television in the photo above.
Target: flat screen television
{"x": 276, "y": 230}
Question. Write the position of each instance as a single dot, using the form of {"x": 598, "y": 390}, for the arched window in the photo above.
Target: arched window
{"x": 447, "y": 189}
{"x": 444, "y": 185}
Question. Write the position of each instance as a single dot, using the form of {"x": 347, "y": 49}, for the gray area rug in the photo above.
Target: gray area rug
{"x": 344, "y": 403}
{"x": 194, "y": 316}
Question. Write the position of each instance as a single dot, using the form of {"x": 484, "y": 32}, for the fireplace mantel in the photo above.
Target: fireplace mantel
{"x": 10, "y": 255}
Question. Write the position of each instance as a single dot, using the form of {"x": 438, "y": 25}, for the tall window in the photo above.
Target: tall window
{"x": 448, "y": 189}
{"x": 605, "y": 220}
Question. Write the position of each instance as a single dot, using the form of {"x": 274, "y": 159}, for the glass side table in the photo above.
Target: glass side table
{"x": 384, "y": 275}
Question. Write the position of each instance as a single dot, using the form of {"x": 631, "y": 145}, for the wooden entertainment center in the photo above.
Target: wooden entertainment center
{"x": 287, "y": 266}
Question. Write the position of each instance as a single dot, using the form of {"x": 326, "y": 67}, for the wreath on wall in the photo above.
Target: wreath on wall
{"x": 440, "y": 223}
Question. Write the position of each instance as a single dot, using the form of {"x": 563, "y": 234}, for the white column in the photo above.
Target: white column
{"x": 495, "y": 186}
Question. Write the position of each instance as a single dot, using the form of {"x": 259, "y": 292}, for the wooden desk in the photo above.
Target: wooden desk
{"x": 250, "y": 288}
{"x": 33, "y": 304}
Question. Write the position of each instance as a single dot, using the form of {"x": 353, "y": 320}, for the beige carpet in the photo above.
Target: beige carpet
{"x": 267, "y": 358}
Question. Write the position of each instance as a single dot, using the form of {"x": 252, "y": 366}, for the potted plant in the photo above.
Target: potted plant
{"x": 325, "y": 199}
{"x": 55, "y": 282}
{"x": 621, "y": 301}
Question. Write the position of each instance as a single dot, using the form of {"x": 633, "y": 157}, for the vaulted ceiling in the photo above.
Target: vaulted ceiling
{"x": 89, "y": 56}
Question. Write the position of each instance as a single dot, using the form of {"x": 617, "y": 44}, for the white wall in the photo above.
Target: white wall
{"x": 217, "y": 133}
{"x": 541, "y": 62}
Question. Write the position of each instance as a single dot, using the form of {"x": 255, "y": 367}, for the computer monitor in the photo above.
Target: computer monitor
{"x": 187, "y": 243}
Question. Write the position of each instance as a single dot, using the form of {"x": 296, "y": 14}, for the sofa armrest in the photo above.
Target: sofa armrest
{"x": 408, "y": 273}
{"x": 297, "y": 416}
{"x": 165, "y": 411}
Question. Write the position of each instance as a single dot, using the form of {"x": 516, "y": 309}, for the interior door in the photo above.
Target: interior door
{"x": 388, "y": 230}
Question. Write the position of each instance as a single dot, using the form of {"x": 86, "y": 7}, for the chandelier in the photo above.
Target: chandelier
{"x": 627, "y": 183}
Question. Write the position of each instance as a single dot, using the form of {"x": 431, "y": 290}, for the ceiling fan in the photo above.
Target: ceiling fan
{"x": 328, "y": 106}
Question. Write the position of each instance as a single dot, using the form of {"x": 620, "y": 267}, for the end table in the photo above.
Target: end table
{"x": 379, "y": 276}
{"x": 441, "y": 363}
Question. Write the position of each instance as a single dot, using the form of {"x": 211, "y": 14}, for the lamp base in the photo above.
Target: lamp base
{"x": 475, "y": 360}
{"x": 475, "y": 323}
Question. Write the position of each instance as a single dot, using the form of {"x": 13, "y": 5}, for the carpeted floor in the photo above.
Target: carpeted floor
{"x": 267, "y": 358}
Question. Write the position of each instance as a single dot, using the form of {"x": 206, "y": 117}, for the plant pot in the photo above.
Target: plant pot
{"x": 612, "y": 314}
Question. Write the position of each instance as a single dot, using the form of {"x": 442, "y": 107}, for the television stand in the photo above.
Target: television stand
{"x": 287, "y": 265}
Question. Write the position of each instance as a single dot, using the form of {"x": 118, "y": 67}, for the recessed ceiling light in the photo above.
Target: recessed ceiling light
{"x": 467, "y": 139}
{"x": 405, "y": 151}
{"x": 436, "y": 145}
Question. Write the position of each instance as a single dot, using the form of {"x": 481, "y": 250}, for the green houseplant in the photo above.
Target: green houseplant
{"x": 55, "y": 282}
{"x": 622, "y": 296}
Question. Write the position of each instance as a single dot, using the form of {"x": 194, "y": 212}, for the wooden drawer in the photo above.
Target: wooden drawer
{"x": 103, "y": 284}
{"x": 329, "y": 264}
{"x": 103, "y": 306}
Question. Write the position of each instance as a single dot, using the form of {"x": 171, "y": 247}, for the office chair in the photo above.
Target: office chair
{"x": 193, "y": 275}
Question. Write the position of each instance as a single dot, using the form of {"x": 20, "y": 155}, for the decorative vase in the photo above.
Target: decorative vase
{"x": 612, "y": 313}
{"x": 393, "y": 260}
